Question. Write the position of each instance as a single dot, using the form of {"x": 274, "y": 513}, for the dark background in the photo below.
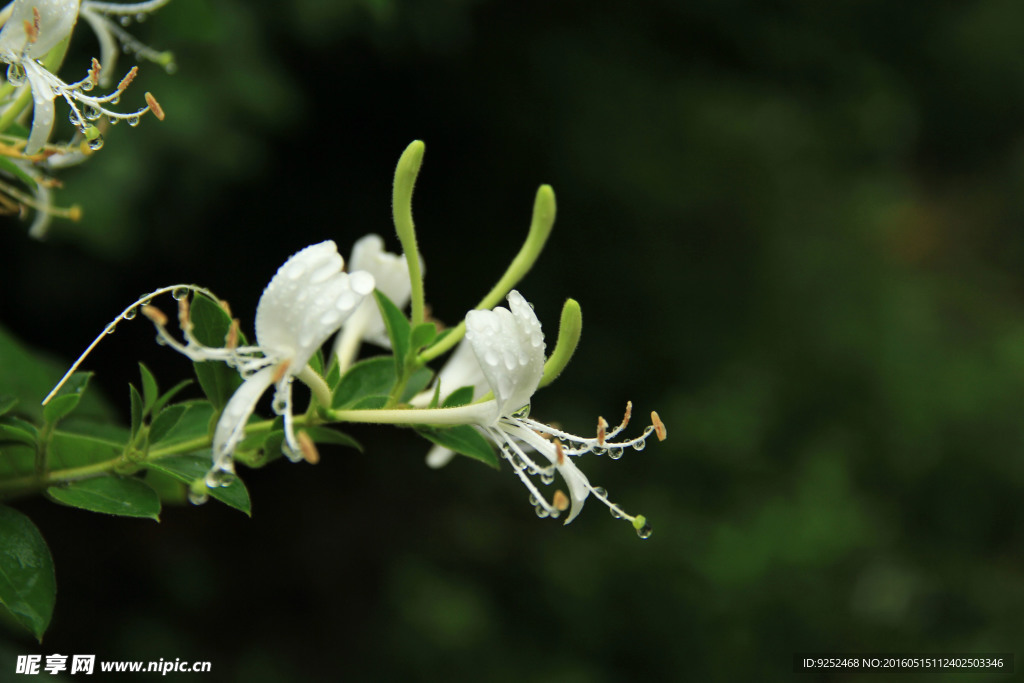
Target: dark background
{"x": 795, "y": 230}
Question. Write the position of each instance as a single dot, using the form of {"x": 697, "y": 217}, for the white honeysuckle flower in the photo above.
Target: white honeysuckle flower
{"x": 509, "y": 347}
{"x": 31, "y": 30}
{"x": 111, "y": 34}
{"x": 306, "y": 302}
{"x": 391, "y": 273}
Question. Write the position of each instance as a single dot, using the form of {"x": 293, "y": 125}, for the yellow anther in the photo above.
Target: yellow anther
{"x": 154, "y": 106}
{"x": 94, "y": 72}
{"x": 183, "y": 314}
{"x": 308, "y": 449}
{"x": 231, "y": 340}
{"x": 154, "y": 314}
{"x": 560, "y": 501}
{"x": 280, "y": 372}
{"x": 659, "y": 426}
{"x": 128, "y": 78}
{"x": 602, "y": 429}
{"x": 559, "y": 452}
{"x": 224, "y": 306}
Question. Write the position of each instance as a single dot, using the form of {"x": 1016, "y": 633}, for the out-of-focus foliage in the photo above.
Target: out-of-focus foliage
{"x": 795, "y": 229}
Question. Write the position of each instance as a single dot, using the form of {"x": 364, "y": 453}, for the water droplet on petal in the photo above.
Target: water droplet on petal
{"x": 491, "y": 358}
{"x": 16, "y": 74}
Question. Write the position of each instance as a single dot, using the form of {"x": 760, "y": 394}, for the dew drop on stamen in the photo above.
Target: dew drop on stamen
{"x": 541, "y": 511}
{"x": 645, "y": 531}
{"x": 533, "y": 500}
{"x": 130, "y": 313}
{"x": 91, "y": 113}
{"x": 179, "y": 293}
{"x": 639, "y": 445}
{"x": 113, "y": 120}
{"x": 133, "y": 121}
{"x": 87, "y": 85}
{"x": 614, "y": 453}
{"x": 96, "y": 143}
{"x": 615, "y": 512}
{"x": 547, "y": 478}
{"x": 171, "y": 67}
{"x": 140, "y": 17}
{"x": 198, "y": 497}
{"x": 601, "y": 492}
{"x": 219, "y": 478}
{"x": 126, "y": 21}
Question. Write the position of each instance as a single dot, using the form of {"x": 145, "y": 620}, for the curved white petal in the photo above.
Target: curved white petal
{"x": 509, "y": 346}
{"x": 306, "y": 301}
{"x": 231, "y": 426}
{"x": 56, "y": 19}
{"x": 40, "y": 81}
{"x": 577, "y": 482}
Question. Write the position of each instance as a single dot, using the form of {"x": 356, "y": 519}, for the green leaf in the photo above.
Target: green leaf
{"x": 28, "y": 587}
{"x": 188, "y": 468}
{"x": 421, "y": 335}
{"x": 333, "y": 436}
{"x": 137, "y": 409}
{"x": 67, "y": 398}
{"x": 171, "y": 393}
{"x": 460, "y": 397}
{"x": 150, "y": 393}
{"x": 18, "y": 431}
{"x": 333, "y": 375}
{"x": 210, "y": 326}
{"x": 112, "y": 495}
{"x": 166, "y": 421}
{"x": 317, "y": 362}
{"x": 418, "y": 381}
{"x": 6, "y": 403}
{"x": 398, "y": 329}
{"x": 194, "y": 423}
{"x": 370, "y": 377}
{"x": 77, "y": 450}
{"x": 463, "y": 439}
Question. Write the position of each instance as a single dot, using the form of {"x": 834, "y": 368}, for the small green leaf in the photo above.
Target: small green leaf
{"x": 194, "y": 423}
{"x": 28, "y": 587}
{"x": 67, "y": 398}
{"x": 112, "y": 495}
{"x": 465, "y": 440}
{"x": 418, "y": 381}
{"x": 18, "y": 431}
{"x": 6, "y": 403}
{"x": 460, "y": 397}
{"x": 333, "y": 375}
{"x": 188, "y": 468}
{"x": 137, "y": 409}
{"x": 166, "y": 421}
{"x": 328, "y": 435}
{"x": 210, "y": 326}
{"x": 370, "y": 377}
{"x": 398, "y": 329}
{"x": 171, "y": 393}
{"x": 150, "y": 392}
{"x": 421, "y": 335}
{"x": 317, "y": 362}
{"x": 77, "y": 450}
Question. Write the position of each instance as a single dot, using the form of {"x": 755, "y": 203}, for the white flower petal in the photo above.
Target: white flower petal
{"x": 39, "y": 80}
{"x": 56, "y": 19}
{"x": 306, "y": 302}
{"x": 231, "y": 426}
{"x": 509, "y": 346}
{"x": 577, "y": 482}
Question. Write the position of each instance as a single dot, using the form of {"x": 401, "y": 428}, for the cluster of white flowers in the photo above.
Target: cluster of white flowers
{"x": 32, "y": 44}
{"x": 311, "y": 297}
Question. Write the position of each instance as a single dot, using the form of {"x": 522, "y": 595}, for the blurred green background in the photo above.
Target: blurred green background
{"x": 795, "y": 229}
